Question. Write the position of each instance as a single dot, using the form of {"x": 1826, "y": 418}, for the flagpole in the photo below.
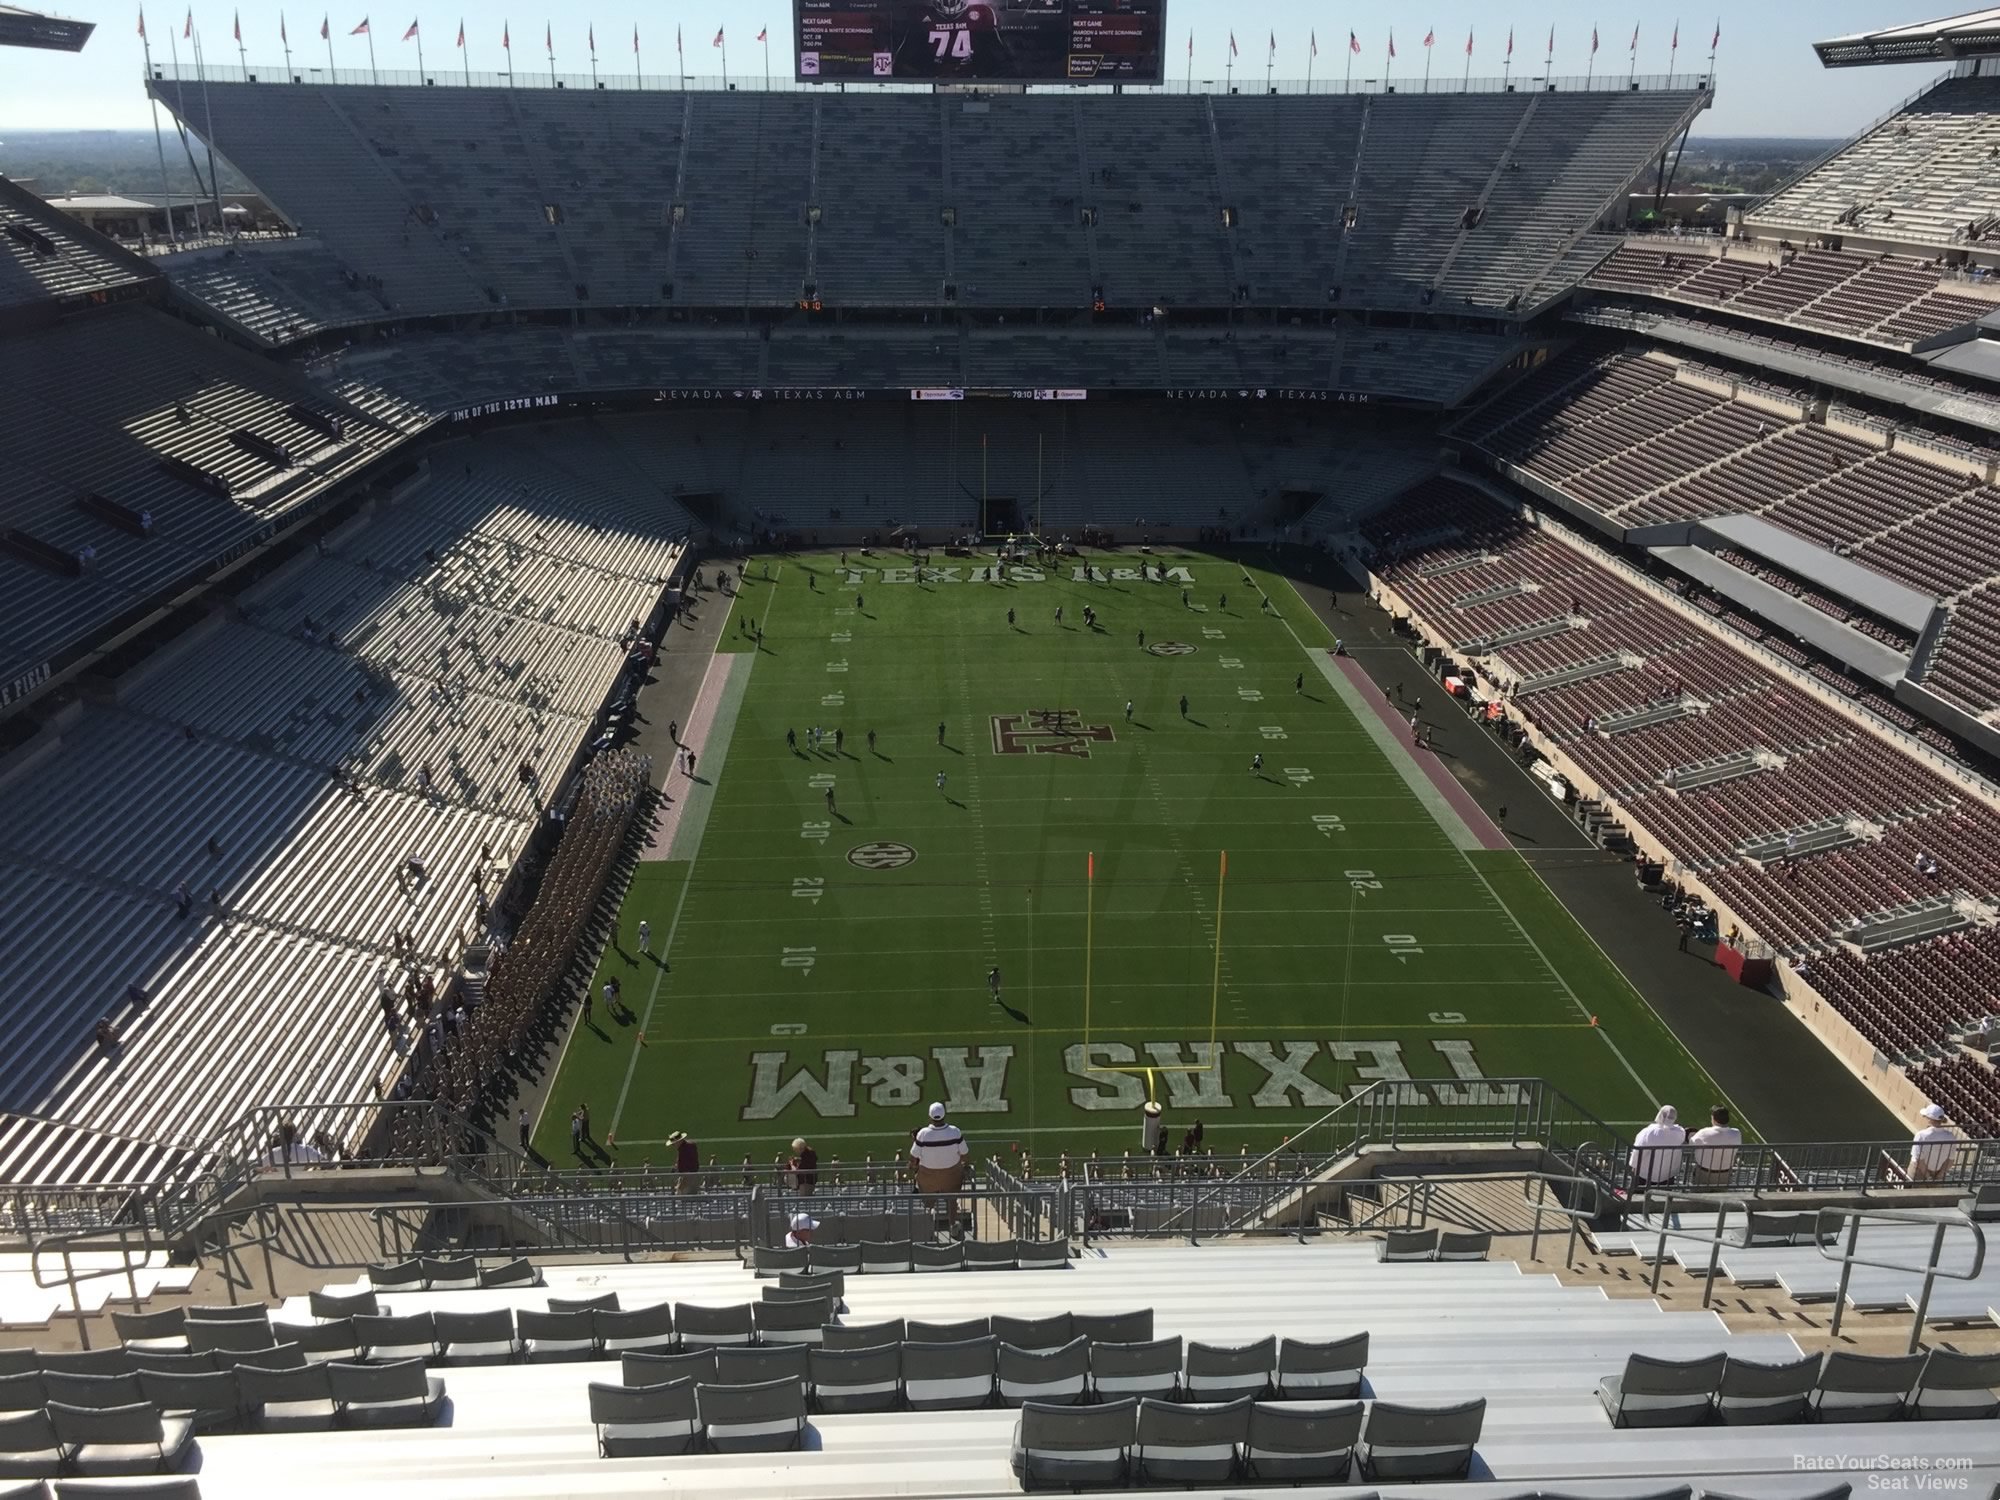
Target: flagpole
{"x": 1311, "y": 53}
{"x": 1347, "y": 85}
{"x": 638, "y": 63}
{"x": 549, "y": 38}
{"x": 208, "y": 126}
{"x": 1270, "y": 58}
{"x": 242, "y": 58}
{"x": 326, "y": 35}
{"x": 374, "y": 73}
{"x": 1229, "y": 74}
{"x": 725, "y": 63}
{"x": 767, "y": 59}
{"x": 1190, "y": 66}
{"x": 680, "y": 49}
{"x": 420, "y": 53}
{"x": 159, "y": 143}
{"x": 1468, "y": 62}
{"x": 1428, "y": 49}
{"x": 1632, "y": 71}
{"x": 593, "y": 57}
{"x": 1389, "y": 61}
{"x": 464, "y": 53}
{"x": 285, "y": 37}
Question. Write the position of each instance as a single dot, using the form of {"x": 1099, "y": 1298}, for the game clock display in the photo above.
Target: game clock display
{"x": 999, "y": 41}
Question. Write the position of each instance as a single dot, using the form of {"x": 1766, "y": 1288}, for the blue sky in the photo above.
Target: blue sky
{"x": 1768, "y": 81}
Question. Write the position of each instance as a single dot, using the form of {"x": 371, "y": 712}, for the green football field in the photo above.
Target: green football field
{"x": 824, "y": 972}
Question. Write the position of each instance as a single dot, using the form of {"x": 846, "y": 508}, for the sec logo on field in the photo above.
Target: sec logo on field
{"x": 1171, "y": 648}
{"x": 881, "y": 855}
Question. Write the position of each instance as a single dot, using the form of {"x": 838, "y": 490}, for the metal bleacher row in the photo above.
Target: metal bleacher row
{"x": 270, "y": 777}
{"x": 468, "y": 200}
{"x": 45, "y": 257}
{"x": 93, "y": 410}
{"x": 1923, "y": 175}
{"x": 903, "y": 1386}
{"x": 1877, "y": 299}
{"x": 1646, "y": 439}
{"x": 1812, "y": 765}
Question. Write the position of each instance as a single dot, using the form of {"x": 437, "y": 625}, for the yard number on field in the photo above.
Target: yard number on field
{"x": 815, "y": 831}
{"x": 798, "y": 958}
{"x": 1403, "y": 945}
{"x": 1363, "y": 881}
{"x": 1271, "y": 731}
{"x": 1298, "y": 775}
{"x": 808, "y": 888}
{"x": 1328, "y": 824}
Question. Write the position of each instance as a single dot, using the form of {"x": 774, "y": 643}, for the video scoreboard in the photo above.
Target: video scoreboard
{"x": 980, "y": 41}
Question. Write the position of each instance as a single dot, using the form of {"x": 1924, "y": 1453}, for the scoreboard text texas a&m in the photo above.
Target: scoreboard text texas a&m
{"x": 998, "y": 41}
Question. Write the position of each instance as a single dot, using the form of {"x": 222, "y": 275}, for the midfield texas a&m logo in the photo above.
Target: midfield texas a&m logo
{"x": 1047, "y": 731}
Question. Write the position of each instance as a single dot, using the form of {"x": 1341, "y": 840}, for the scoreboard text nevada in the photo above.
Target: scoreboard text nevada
{"x": 1008, "y": 41}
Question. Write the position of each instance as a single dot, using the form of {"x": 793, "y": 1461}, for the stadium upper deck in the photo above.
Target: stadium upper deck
{"x": 467, "y": 200}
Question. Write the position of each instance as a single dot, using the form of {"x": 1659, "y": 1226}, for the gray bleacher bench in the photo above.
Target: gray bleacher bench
{"x": 477, "y": 1338}
{"x": 793, "y": 1322}
{"x": 865, "y": 1378}
{"x": 1328, "y": 1370}
{"x": 1662, "y": 1392}
{"x": 164, "y": 1329}
{"x": 635, "y": 1330}
{"x": 863, "y": 1335}
{"x": 1408, "y": 1244}
{"x": 1754, "y": 1393}
{"x": 395, "y": 1337}
{"x": 329, "y": 1305}
{"x": 1114, "y": 1328}
{"x": 303, "y": 1395}
{"x": 133, "y": 1439}
{"x": 1189, "y": 1445}
{"x": 1151, "y": 1368}
{"x": 763, "y": 1418}
{"x": 28, "y": 1444}
{"x": 334, "y": 1339}
{"x": 1056, "y": 1376}
{"x": 209, "y": 1399}
{"x": 887, "y": 1256}
{"x": 1864, "y": 1387}
{"x": 650, "y": 1421}
{"x": 1051, "y": 1332}
{"x": 398, "y": 1392}
{"x": 920, "y": 1332}
{"x": 1069, "y": 1446}
{"x": 1417, "y": 1442}
{"x": 1956, "y": 1387}
{"x": 93, "y": 1392}
{"x": 714, "y": 1325}
{"x": 565, "y": 1335}
{"x": 1301, "y": 1445}
{"x": 949, "y": 1377}
{"x": 638, "y": 1367}
{"x": 1222, "y": 1372}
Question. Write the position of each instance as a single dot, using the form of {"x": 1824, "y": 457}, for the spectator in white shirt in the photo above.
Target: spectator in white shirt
{"x": 938, "y": 1155}
{"x": 1712, "y": 1150}
{"x": 1656, "y": 1151}
{"x": 801, "y": 1233}
{"x": 1932, "y": 1147}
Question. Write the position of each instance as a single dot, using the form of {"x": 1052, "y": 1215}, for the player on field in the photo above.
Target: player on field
{"x": 1257, "y": 764}
{"x": 792, "y": 740}
{"x": 993, "y": 981}
{"x": 940, "y": 781}
{"x": 1010, "y": 618}
{"x": 1183, "y": 705}
{"x": 1128, "y": 710}
{"x": 645, "y": 936}
{"x": 829, "y": 799}
{"x": 871, "y": 742}
{"x": 940, "y": 741}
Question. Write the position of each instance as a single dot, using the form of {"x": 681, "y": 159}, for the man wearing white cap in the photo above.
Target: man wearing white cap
{"x": 801, "y": 1233}
{"x": 938, "y": 1155}
{"x": 1932, "y": 1147}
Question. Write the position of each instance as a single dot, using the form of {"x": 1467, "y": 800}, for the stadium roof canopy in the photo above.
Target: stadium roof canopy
{"x": 28, "y": 28}
{"x": 1976, "y": 33}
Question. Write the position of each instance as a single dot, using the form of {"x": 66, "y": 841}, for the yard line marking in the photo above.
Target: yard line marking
{"x": 1519, "y": 927}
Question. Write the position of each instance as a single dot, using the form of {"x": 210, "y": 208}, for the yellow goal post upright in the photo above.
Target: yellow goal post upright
{"x": 1215, "y": 981}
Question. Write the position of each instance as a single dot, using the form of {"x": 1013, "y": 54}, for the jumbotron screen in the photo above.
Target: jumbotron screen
{"x": 980, "y": 41}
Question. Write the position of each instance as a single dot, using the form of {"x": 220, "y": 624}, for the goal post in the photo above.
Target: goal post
{"x": 1215, "y": 980}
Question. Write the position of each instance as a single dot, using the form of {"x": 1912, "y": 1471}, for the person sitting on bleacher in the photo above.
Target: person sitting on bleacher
{"x": 1932, "y": 1147}
{"x": 1656, "y": 1151}
{"x": 1712, "y": 1150}
{"x": 938, "y": 1155}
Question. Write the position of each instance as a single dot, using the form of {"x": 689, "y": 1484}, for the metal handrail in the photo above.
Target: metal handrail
{"x": 1853, "y": 1216}
{"x": 1931, "y": 1270}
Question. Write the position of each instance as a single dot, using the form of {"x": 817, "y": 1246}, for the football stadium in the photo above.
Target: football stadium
{"x": 978, "y": 771}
